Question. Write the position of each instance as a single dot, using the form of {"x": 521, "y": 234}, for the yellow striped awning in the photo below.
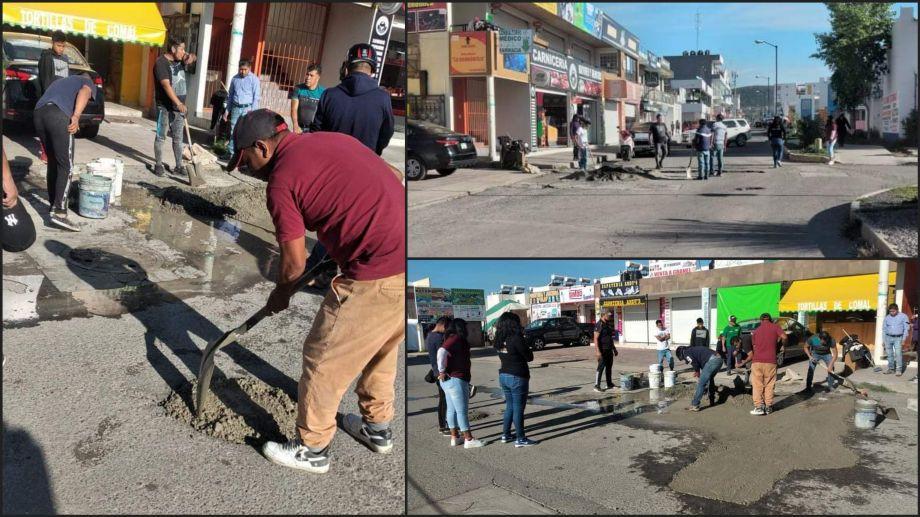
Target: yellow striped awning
{"x": 842, "y": 293}
{"x": 126, "y": 22}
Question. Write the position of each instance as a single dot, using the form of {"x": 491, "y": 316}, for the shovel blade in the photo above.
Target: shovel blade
{"x": 206, "y": 369}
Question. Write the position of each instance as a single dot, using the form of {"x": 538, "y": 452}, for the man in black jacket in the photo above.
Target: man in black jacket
{"x": 53, "y": 64}
{"x": 432, "y": 343}
{"x": 705, "y": 363}
{"x": 700, "y": 334}
{"x": 605, "y": 334}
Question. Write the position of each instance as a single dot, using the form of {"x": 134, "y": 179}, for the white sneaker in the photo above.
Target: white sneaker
{"x": 472, "y": 444}
{"x": 295, "y": 455}
{"x": 830, "y": 162}
{"x": 456, "y": 441}
{"x": 757, "y": 411}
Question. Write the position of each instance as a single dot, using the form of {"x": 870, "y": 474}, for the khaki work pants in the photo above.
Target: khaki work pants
{"x": 355, "y": 334}
{"x": 763, "y": 381}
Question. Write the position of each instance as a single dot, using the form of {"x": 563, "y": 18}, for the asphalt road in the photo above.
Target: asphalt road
{"x": 754, "y": 210}
{"x": 612, "y": 462}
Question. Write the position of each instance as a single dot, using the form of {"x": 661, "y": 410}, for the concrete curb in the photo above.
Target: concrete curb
{"x": 885, "y": 248}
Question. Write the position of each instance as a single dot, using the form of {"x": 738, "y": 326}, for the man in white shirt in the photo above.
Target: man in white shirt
{"x": 581, "y": 140}
{"x": 664, "y": 341}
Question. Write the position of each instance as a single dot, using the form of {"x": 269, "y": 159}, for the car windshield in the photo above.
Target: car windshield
{"x": 31, "y": 49}
{"x": 535, "y": 324}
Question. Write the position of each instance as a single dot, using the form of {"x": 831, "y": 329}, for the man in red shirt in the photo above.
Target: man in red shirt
{"x": 763, "y": 370}
{"x": 332, "y": 184}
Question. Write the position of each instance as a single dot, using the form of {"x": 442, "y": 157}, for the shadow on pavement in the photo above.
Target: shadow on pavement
{"x": 26, "y": 485}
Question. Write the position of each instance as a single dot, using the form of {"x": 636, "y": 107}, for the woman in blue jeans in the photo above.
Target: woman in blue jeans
{"x": 776, "y": 135}
{"x": 513, "y": 376}
{"x": 454, "y": 376}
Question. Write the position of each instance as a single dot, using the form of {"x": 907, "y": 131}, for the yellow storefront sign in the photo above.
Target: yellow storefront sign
{"x": 845, "y": 293}
{"x": 547, "y": 6}
{"x": 622, "y": 302}
{"x": 132, "y": 23}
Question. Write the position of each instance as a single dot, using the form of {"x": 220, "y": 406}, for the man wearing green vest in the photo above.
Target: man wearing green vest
{"x": 726, "y": 350}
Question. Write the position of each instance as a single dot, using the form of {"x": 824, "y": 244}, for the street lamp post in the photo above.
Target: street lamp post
{"x": 775, "y": 71}
{"x": 768, "y": 91}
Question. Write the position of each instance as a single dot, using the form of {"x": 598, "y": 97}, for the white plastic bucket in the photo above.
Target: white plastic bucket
{"x": 865, "y": 413}
{"x": 654, "y": 379}
{"x": 119, "y": 166}
{"x": 669, "y": 377}
{"x": 112, "y": 168}
{"x": 652, "y": 368}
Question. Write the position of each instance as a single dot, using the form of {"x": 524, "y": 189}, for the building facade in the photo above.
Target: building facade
{"x": 897, "y": 89}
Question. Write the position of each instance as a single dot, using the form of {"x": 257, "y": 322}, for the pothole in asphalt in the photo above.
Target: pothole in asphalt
{"x": 239, "y": 410}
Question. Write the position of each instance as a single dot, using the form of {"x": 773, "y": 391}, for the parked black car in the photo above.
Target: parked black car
{"x": 430, "y": 146}
{"x": 796, "y": 334}
{"x": 21, "y": 88}
{"x": 557, "y": 330}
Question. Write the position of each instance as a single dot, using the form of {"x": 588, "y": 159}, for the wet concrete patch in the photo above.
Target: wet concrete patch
{"x": 91, "y": 450}
{"x": 240, "y": 410}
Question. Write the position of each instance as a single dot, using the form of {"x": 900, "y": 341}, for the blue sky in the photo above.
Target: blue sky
{"x": 490, "y": 274}
{"x": 730, "y": 29}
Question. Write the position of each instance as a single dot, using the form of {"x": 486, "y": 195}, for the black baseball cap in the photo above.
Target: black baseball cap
{"x": 255, "y": 125}
{"x": 732, "y": 317}
{"x": 766, "y": 316}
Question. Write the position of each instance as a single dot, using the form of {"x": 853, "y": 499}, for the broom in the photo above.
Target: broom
{"x": 690, "y": 168}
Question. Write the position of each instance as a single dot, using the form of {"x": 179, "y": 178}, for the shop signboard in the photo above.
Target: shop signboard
{"x": 544, "y": 296}
{"x": 539, "y": 311}
{"x": 657, "y": 268}
{"x": 469, "y": 312}
{"x": 468, "y": 54}
{"x": 515, "y": 41}
{"x": 628, "y": 301}
{"x": 548, "y": 69}
{"x": 576, "y": 294}
{"x": 719, "y": 264}
{"x": 619, "y": 289}
{"x": 380, "y": 37}
{"x": 585, "y": 80}
{"x": 467, "y": 296}
{"x": 426, "y": 16}
{"x": 889, "y": 114}
{"x": 430, "y": 312}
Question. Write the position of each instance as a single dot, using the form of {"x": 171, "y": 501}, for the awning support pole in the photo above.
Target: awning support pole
{"x": 881, "y": 311}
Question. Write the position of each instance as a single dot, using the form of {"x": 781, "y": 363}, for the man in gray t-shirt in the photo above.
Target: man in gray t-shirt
{"x": 719, "y": 142}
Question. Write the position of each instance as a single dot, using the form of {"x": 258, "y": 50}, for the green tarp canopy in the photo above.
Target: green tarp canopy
{"x": 746, "y": 302}
{"x": 500, "y": 308}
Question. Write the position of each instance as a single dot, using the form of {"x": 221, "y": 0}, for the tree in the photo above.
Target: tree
{"x": 856, "y": 49}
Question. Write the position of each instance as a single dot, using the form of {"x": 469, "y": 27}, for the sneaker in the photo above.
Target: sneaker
{"x": 62, "y": 221}
{"x": 506, "y": 439}
{"x": 296, "y": 455}
{"x": 472, "y": 390}
{"x": 767, "y": 410}
{"x": 887, "y": 372}
{"x": 456, "y": 440}
{"x": 693, "y": 408}
{"x": 830, "y": 162}
{"x": 377, "y": 441}
{"x": 526, "y": 442}
{"x": 609, "y": 387}
{"x": 898, "y": 374}
{"x": 472, "y": 444}
{"x": 180, "y": 171}
{"x": 444, "y": 432}
{"x": 598, "y": 389}
{"x": 914, "y": 380}
{"x": 757, "y": 411}
{"x": 159, "y": 170}
{"x": 780, "y": 164}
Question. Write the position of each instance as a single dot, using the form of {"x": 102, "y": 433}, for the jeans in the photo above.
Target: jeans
{"x": 457, "y": 393}
{"x": 666, "y": 353}
{"x": 605, "y": 366}
{"x": 707, "y": 378}
{"x": 716, "y": 153}
{"x": 661, "y": 151}
{"x": 442, "y": 407}
{"x": 174, "y": 121}
{"x": 515, "y": 390}
{"x": 702, "y": 159}
{"x": 583, "y": 158}
{"x": 777, "y": 145}
{"x": 893, "y": 350}
{"x": 729, "y": 357}
{"x": 814, "y": 363}
{"x": 235, "y": 113}
{"x": 830, "y": 149}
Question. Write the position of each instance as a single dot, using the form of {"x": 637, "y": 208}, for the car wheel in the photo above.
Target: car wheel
{"x": 88, "y": 132}
{"x": 415, "y": 169}
{"x": 585, "y": 340}
{"x": 740, "y": 140}
{"x": 446, "y": 172}
{"x": 780, "y": 358}
{"x": 539, "y": 344}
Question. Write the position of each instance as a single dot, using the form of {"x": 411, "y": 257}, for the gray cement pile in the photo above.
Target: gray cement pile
{"x": 243, "y": 202}
{"x": 240, "y": 410}
{"x": 749, "y": 454}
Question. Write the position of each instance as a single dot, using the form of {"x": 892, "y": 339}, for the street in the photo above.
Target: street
{"x": 103, "y": 332}
{"x": 641, "y": 453}
{"x": 754, "y": 210}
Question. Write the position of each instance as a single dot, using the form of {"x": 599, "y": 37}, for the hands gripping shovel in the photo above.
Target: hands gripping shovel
{"x": 206, "y": 369}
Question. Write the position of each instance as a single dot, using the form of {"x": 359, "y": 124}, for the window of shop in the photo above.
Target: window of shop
{"x": 610, "y": 62}
{"x": 631, "y": 70}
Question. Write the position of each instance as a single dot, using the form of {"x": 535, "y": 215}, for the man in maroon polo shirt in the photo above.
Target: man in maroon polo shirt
{"x": 332, "y": 184}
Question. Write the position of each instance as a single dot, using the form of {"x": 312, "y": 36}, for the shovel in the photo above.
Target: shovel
{"x": 206, "y": 369}
{"x": 889, "y": 412}
{"x": 194, "y": 178}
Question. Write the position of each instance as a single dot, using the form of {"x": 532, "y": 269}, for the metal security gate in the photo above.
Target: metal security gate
{"x": 430, "y": 109}
{"x": 294, "y": 36}
{"x": 471, "y": 112}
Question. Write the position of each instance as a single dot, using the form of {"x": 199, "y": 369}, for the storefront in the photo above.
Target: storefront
{"x": 578, "y": 303}
{"x": 840, "y": 305}
{"x": 561, "y": 87}
{"x": 586, "y": 83}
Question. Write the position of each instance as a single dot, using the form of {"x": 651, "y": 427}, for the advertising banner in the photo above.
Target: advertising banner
{"x": 623, "y": 302}
{"x": 705, "y": 303}
{"x": 380, "y": 38}
{"x": 467, "y": 296}
{"x": 889, "y": 114}
{"x": 515, "y": 41}
{"x": 576, "y": 294}
{"x": 428, "y": 313}
{"x": 547, "y": 6}
{"x": 468, "y": 53}
{"x": 719, "y": 264}
{"x": 657, "y": 268}
{"x": 585, "y": 80}
{"x": 549, "y": 69}
{"x": 469, "y": 312}
{"x": 539, "y": 311}
{"x": 619, "y": 289}
{"x": 426, "y": 16}
{"x": 544, "y": 296}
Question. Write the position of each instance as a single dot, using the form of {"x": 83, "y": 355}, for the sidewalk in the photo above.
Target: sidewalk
{"x": 866, "y": 155}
